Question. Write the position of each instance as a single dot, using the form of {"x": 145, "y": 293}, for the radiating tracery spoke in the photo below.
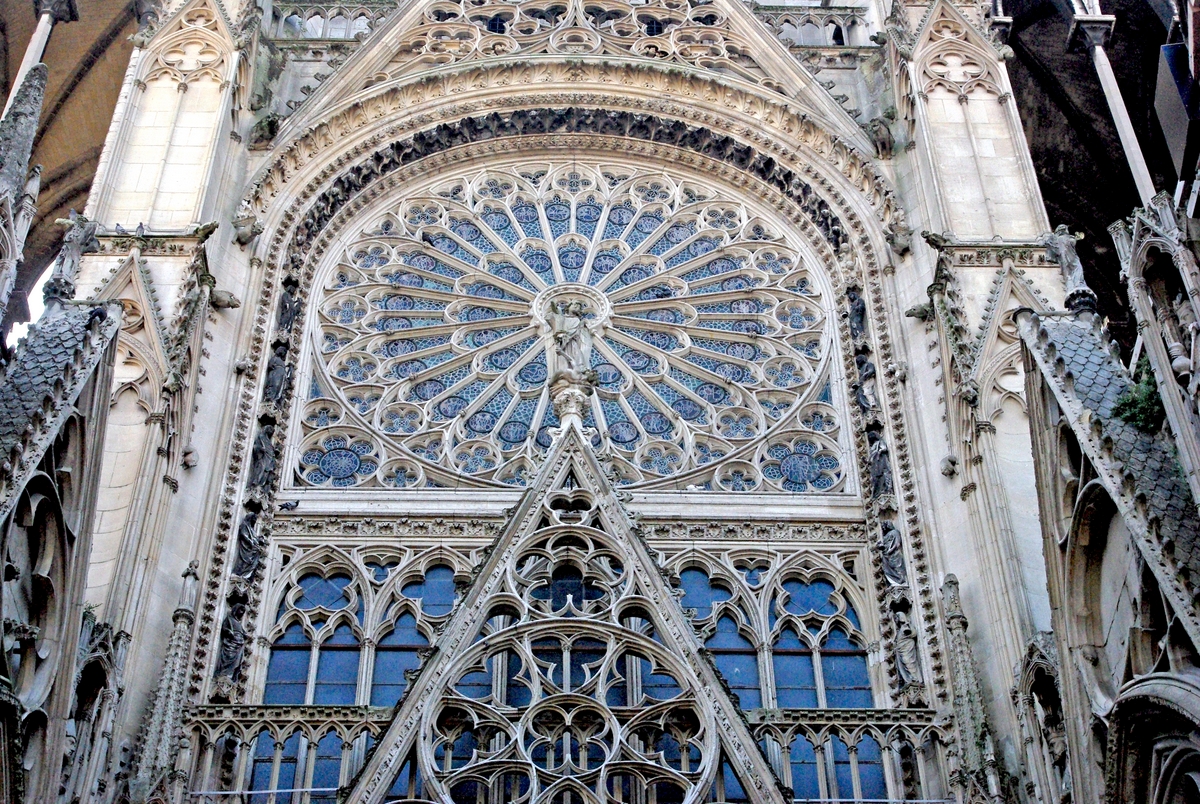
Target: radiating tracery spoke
{"x": 437, "y": 333}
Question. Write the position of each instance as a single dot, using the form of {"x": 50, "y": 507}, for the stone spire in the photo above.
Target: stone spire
{"x": 17, "y": 130}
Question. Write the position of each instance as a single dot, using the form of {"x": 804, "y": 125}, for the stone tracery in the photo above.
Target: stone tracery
{"x": 707, "y": 336}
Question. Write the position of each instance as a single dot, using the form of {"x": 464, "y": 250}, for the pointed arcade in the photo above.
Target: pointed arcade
{"x": 568, "y": 672}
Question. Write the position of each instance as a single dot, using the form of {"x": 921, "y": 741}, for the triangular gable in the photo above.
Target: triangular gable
{"x": 567, "y": 666}
{"x": 132, "y": 283}
{"x": 997, "y": 330}
{"x": 723, "y": 36}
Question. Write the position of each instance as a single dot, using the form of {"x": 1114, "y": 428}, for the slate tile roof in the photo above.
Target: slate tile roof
{"x": 1095, "y": 379}
{"x": 42, "y": 380}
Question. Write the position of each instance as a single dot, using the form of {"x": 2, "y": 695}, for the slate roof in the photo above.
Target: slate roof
{"x": 1093, "y": 379}
{"x": 41, "y": 382}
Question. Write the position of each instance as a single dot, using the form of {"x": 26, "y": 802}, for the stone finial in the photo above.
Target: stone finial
{"x": 59, "y": 10}
{"x": 1060, "y": 248}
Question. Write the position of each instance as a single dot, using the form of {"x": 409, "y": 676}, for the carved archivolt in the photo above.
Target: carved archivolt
{"x": 708, "y": 335}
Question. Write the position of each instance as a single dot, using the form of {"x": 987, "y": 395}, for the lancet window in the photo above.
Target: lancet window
{"x": 347, "y": 628}
{"x": 817, "y": 653}
{"x": 705, "y": 329}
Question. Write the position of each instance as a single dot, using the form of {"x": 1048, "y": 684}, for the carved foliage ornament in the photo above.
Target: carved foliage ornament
{"x": 695, "y": 33}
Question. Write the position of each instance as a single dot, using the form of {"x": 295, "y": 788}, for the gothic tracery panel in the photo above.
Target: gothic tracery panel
{"x": 703, "y": 327}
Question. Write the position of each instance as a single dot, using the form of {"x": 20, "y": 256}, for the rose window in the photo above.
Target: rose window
{"x": 700, "y": 327}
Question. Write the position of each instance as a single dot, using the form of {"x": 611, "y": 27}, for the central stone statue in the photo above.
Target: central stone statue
{"x": 572, "y": 343}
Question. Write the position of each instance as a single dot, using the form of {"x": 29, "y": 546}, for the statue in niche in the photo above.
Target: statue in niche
{"x": 233, "y": 642}
{"x": 289, "y": 308}
{"x": 262, "y": 458}
{"x": 279, "y": 376}
{"x": 572, "y": 343}
{"x": 880, "y": 465}
{"x": 1060, "y": 247}
{"x": 858, "y": 314}
{"x": 891, "y": 547}
{"x": 249, "y": 551}
{"x": 908, "y": 662}
{"x": 865, "y": 387}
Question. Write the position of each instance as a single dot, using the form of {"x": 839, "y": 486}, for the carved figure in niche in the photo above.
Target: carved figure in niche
{"x": 1060, "y": 247}
{"x": 249, "y": 551}
{"x": 279, "y": 376}
{"x": 865, "y": 387}
{"x": 289, "y": 308}
{"x": 233, "y": 642}
{"x": 572, "y": 343}
{"x": 262, "y": 459}
{"x": 880, "y": 465}
{"x": 891, "y": 546}
{"x": 908, "y": 662}
{"x": 79, "y": 239}
{"x": 1186, "y": 316}
{"x": 858, "y": 313}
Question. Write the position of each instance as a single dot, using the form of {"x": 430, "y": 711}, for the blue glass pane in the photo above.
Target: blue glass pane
{"x": 288, "y": 761}
{"x": 844, "y": 666}
{"x": 839, "y": 640}
{"x": 727, "y": 636}
{"x": 803, "y": 759}
{"x": 337, "y": 677}
{"x": 405, "y": 633}
{"x": 842, "y": 772}
{"x": 260, "y": 769}
{"x": 287, "y": 676}
{"x": 435, "y": 591}
{"x": 387, "y": 679}
{"x": 658, "y": 685}
{"x": 327, "y": 769}
{"x": 741, "y": 671}
{"x": 294, "y": 635}
{"x": 326, "y": 592}
{"x": 342, "y": 635}
{"x": 699, "y": 593}
{"x": 407, "y": 783}
{"x": 795, "y": 681}
{"x": 734, "y": 792}
{"x": 805, "y": 597}
{"x": 870, "y": 769}
{"x": 847, "y": 685}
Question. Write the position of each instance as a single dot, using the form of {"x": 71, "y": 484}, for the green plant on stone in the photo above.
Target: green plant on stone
{"x": 1141, "y": 405}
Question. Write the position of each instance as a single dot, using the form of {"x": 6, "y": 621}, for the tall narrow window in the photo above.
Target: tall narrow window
{"x": 287, "y": 670}
{"x": 394, "y": 654}
{"x": 737, "y": 660}
{"x": 337, "y": 669}
{"x": 844, "y": 667}
{"x": 871, "y": 780}
{"x": 795, "y": 681}
{"x": 327, "y": 769}
{"x": 806, "y": 781}
{"x": 260, "y": 768}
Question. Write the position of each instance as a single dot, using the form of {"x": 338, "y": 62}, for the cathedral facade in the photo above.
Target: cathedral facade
{"x": 588, "y": 401}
